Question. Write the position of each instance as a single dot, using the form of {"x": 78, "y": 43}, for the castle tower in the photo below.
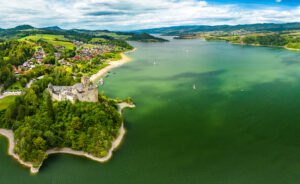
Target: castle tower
{"x": 85, "y": 81}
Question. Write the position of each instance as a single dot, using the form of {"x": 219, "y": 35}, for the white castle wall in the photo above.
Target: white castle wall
{"x": 89, "y": 93}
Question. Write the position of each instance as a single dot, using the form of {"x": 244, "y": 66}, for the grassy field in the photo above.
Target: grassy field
{"x": 44, "y": 37}
{"x": 89, "y": 46}
{"x": 292, "y": 33}
{"x": 13, "y": 87}
{"x": 98, "y": 39}
{"x": 52, "y": 39}
{"x": 68, "y": 45}
{"x": 36, "y": 48}
{"x": 293, "y": 45}
{"x": 4, "y": 103}
{"x": 114, "y": 35}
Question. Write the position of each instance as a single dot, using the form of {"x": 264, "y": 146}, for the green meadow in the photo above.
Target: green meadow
{"x": 4, "y": 103}
{"x": 52, "y": 39}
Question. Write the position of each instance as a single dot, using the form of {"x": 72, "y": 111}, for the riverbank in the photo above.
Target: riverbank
{"x": 112, "y": 64}
{"x": 34, "y": 170}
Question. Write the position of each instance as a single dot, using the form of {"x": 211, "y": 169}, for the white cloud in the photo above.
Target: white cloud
{"x": 133, "y": 14}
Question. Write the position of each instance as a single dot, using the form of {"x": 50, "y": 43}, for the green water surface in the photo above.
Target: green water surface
{"x": 241, "y": 125}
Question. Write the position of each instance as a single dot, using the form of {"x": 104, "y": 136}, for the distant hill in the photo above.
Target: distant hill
{"x": 53, "y": 28}
{"x": 22, "y": 27}
{"x": 77, "y": 34}
{"x": 178, "y": 30}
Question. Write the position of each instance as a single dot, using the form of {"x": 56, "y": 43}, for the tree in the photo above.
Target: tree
{"x": 23, "y": 82}
{"x": 49, "y": 60}
{"x": 39, "y": 143}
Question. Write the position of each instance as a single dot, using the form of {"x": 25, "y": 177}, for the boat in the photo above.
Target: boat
{"x": 194, "y": 87}
{"x": 154, "y": 62}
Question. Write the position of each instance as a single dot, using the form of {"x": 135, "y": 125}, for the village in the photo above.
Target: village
{"x": 84, "y": 53}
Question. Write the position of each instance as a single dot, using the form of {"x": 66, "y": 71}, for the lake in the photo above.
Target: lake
{"x": 206, "y": 112}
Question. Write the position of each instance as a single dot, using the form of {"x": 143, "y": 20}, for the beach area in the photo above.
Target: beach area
{"x": 115, "y": 144}
{"x": 34, "y": 170}
{"x": 113, "y": 64}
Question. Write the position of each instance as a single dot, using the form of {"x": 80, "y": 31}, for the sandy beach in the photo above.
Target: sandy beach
{"x": 34, "y": 170}
{"x": 9, "y": 134}
{"x": 112, "y": 64}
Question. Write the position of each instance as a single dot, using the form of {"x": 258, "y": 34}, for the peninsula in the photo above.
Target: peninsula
{"x": 34, "y": 169}
{"x": 55, "y": 107}
{"x": 80, "y": 95}
{"x": 285, "y": 35}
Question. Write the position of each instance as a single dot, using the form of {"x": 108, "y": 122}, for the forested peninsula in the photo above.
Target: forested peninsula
{"x": 37, "y": 124}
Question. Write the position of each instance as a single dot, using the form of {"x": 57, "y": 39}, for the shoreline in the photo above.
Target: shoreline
{"x": 34, "y": 170}
{"x": 112, "y": 64}
{"x": 255, "y": 45}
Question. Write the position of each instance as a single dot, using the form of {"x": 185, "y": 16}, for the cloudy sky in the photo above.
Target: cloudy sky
{"x": 140, "y": 14}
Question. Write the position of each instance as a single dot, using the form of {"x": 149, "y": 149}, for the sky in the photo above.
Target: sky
{"x": 126, "y": 15}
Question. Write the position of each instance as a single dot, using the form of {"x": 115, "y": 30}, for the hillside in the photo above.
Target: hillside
{"x": 75, "y": 34}
{"x": 178, "y": 30}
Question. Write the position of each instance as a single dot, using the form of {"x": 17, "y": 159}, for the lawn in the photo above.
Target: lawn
{"x": 45, "y": 37}
{"x": 293, "y": 45}
{"x": 89, "y": 46}
{"x": 114, "y": 35}
{"x": 52, "y": 39}
{"x": 13, "y": 87}
{"x": 98, "y": 39}
{"x": 68, "y": 45}
{"x": 4, "y": 103}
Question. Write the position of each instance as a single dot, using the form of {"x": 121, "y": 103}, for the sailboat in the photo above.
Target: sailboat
{"x": 101, "y": 81}
{"x": 154, "y": 63}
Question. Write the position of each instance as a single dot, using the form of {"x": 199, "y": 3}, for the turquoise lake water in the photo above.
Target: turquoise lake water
{"x": 241, "y": 125}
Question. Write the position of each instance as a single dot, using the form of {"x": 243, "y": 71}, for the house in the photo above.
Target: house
{"x": 58, "y": 55}
{"x": 76, "y": 58}
{"x": 57, "y": 46}
{"x": 47, "y": 65}
{"x": 40, "y": 61}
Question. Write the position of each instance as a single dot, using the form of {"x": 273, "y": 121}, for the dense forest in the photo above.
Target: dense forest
{"x": 41, "y": 124}
{"x": 15, "y": 52}
{"x": 12, "y": 53}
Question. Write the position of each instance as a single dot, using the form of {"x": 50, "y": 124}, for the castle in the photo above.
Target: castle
{"x": 82, "y": 91}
